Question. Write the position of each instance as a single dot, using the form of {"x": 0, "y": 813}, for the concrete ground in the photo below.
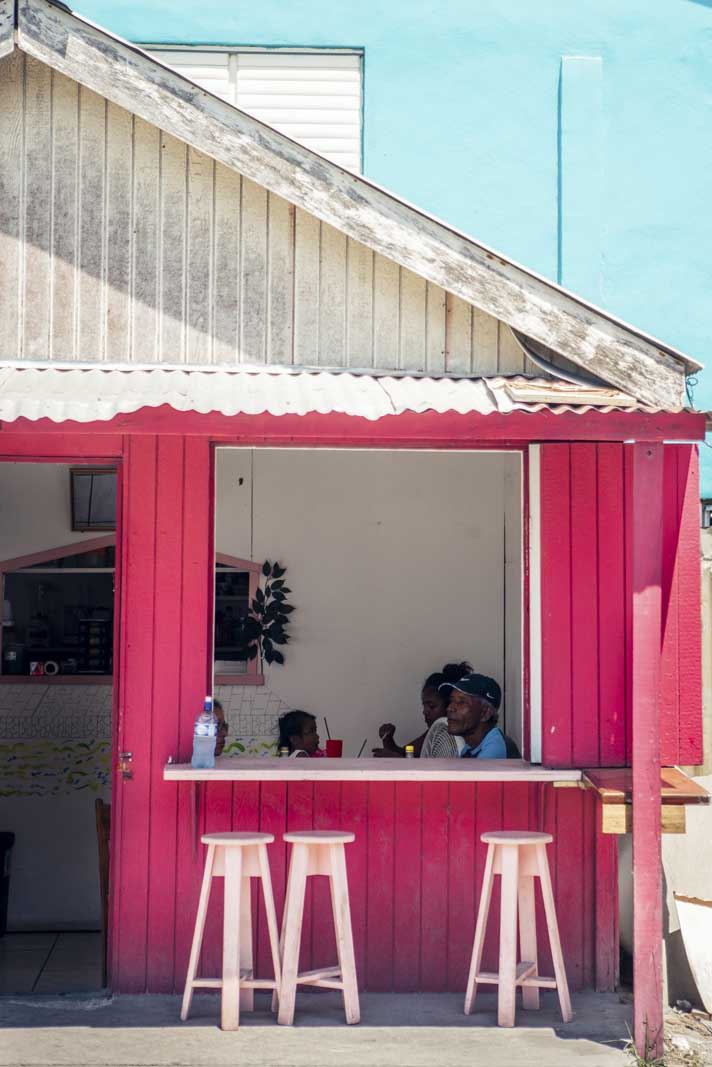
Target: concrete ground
{"x": 414, "y": 1030}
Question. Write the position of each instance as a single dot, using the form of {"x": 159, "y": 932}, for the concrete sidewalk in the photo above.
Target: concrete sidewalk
{"x": 418, "y": 1030}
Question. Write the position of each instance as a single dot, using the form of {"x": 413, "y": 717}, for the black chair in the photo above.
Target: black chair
{"x": 512, "y": 750}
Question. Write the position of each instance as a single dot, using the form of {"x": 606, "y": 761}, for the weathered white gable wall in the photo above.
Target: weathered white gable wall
{"x": 118, "y": 242}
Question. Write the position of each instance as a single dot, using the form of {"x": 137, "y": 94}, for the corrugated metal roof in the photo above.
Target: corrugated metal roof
{"x": 88, "y": 393}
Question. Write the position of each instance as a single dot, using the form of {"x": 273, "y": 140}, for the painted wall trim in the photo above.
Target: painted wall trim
{"x": 535, "y": 687}
{"x": 420, "y": 430}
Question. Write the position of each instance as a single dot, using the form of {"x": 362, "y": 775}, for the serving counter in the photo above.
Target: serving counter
{"x": 238, "y": 769}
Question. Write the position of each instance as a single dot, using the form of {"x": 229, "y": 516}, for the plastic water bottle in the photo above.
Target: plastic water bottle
{"x": 204, "y": 737}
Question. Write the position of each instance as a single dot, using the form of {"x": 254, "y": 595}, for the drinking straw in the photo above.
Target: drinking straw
{"x": 362, "y": 747}
{"x": 328, "y": 731}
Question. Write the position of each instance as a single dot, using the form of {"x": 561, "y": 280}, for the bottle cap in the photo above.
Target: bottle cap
{"x": 409, "y": 750}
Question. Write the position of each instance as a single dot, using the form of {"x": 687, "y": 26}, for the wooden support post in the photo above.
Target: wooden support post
{"x": 646, "y": 534}
{"x": 607, "y": 934}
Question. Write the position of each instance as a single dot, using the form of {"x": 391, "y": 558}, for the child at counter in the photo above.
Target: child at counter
{"x": 298, "y": 733}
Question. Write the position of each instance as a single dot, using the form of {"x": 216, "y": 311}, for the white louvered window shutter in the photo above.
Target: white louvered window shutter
{"x": 313, "y": 97}
{"x": 210, "y": 69}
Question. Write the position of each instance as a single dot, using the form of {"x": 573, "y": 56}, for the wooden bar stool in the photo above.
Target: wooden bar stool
{"x": 236, "y": 857}
{"x": 317, "y": 852}
{"x": 518, "y": 856}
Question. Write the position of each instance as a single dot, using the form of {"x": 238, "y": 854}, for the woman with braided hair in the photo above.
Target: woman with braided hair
{"x": 434, "y": 697}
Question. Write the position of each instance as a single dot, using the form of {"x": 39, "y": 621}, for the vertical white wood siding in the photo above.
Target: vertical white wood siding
{"x": 314, "y": 98}
{"x": 118, "y": 242}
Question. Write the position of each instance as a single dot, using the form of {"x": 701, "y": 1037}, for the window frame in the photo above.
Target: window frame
{"x": 234, "y": 51}
{"x": 254, "y": 675}
{"x": 78, "y": 527}
{"x": 24, "y": 563}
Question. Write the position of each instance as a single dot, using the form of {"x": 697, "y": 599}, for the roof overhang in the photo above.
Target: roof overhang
{"x": 91, "y": 392}
{"x": 584, "y": 335}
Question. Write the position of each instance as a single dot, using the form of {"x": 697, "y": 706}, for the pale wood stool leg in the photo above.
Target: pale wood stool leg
{"x": 557, "y": 956}
{"x": 247, "y": 996}
{"x": 198, "y": 932}
{"x": 506, "y": 1004}
{"x": 338, "y": 883}
{"x": 230, "y": 1000}
{"x": 292, "y": 933}
{"x": 480, "y": 931}
{"x": 283, "y": 931}
{"x": 527, "y": 936}
{"x": 271, "y": 916}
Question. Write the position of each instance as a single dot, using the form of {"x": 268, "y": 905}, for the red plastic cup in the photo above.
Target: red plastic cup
{"x": 334, "y": 747}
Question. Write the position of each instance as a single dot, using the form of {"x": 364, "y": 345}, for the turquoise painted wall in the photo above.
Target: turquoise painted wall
{"x": 576, "y": 138}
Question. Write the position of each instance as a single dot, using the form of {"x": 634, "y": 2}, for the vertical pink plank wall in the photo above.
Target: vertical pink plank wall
{"x": 414, "y": 844}
{"x": 164, "y": 612}
{"x": 586, "y": 671}
{"x": 585, "y": 537}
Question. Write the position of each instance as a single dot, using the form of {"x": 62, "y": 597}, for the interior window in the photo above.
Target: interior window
{"x": 236, "y": 583}
{"x": 58, "y": 615}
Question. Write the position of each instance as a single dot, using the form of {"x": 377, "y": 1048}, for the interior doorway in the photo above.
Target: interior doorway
{"x": 57, "y": 569}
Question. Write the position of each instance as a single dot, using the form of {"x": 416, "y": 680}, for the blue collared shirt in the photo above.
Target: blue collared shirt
{"x": 491, "y": 747}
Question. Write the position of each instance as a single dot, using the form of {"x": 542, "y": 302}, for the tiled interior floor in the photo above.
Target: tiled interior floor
{"x": 66, "y": 962}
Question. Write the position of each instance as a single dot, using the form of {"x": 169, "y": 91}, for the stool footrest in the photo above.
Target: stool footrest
{"x": 525, "y": 977}
{"x": 247, "y": 981}
{"x": 327, "y": 974}
{"x": 540, "y": 981}
{"x": 524, "y": 970}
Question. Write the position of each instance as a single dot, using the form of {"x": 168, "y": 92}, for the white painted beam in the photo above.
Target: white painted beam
{"x": 535, "y": 651}
{"x": 127, "y": 76}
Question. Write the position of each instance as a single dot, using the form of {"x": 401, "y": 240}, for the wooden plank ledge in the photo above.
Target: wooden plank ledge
{"x": 236, "y": 769}
{"x": 614, "y": 785}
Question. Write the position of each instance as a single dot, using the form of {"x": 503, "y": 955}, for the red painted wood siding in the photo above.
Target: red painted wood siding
{"x": 585, "y": 583}
{"x": 416, "y": 866}
{"x": 415, "y": 873}
{"x": 165, "y": 557}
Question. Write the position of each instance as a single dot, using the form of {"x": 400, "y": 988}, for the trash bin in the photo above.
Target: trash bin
{"x": 7, "y": 840}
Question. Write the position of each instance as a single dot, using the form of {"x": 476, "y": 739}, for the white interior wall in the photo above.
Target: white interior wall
{"x": 36, "y": 511}
{"x": 43, "y": 729}
{"x": 396, "y": 561}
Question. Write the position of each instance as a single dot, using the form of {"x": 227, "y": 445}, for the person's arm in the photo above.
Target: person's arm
{"x": 390, "y": 748}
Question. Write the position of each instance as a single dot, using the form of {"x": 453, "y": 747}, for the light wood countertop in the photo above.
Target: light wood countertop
{"x": 271, "y": 769}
